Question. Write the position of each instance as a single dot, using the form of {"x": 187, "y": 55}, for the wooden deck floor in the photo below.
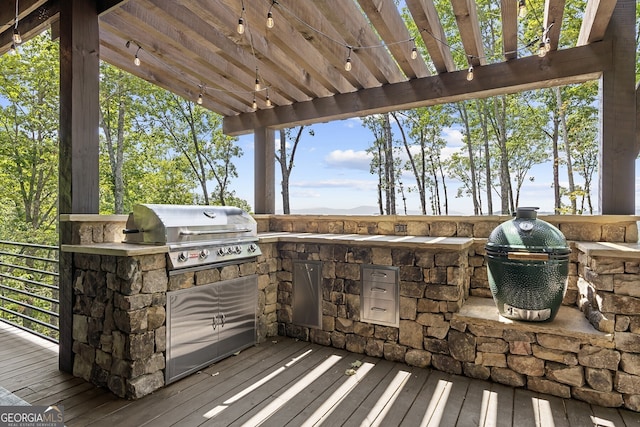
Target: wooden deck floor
{"x": 290, "y": 383}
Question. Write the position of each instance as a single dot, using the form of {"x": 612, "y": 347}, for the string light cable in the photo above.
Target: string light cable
{"x": 17, "y": 39}
{"x": 203, "y": 89}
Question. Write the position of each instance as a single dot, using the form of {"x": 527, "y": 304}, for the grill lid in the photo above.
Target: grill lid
{"x": 180, "y": 224}
{"x": 527, "y": 234}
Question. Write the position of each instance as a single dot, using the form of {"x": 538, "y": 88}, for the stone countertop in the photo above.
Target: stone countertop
{"x": 419, "y": 242}
{"x": 116, "y": 249}
{"x": 607, "y": 249}
{"x": 569, "y": 321}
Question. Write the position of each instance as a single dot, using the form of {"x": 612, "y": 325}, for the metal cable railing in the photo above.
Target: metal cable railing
{"x": 29, "y": 293}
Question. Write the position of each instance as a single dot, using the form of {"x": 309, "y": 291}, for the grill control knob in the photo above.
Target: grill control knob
{"x": 252, "y": 247}
{"x": 204, "y": 254}
{"x": 238, "y": 249}
{"x": 183, "y": 256}
{"x": 220, "y": 251}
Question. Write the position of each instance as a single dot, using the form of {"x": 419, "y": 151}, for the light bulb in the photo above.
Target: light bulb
{"x": 522, "y": 9}
{"x": 542, "y": 50}
{"x": 136, "y": 61}
{"x": 199, "y": 101}
{"x": 257, "y": 86}
{"x": 470, "y": 74}
{"x": 414, "y": 53}
{"x": 547, "y": 44}
{"x": 240, "y": 27}
{"x": 268, "y": 101}
{"x": 347, "y": 65}
{"x": 270, "y": 22}
{"x": 12, "y": 49}
{"x": 17, "y": 39}
{"x": 254, "y": 105}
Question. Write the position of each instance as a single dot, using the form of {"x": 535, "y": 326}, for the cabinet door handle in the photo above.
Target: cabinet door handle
{"x": 214, "y": 322}
{"x": 378, "y": 289}
{"x": 223, "y": 318}
{"x": 378, "y": 309}
{"x": 376, "y": 274}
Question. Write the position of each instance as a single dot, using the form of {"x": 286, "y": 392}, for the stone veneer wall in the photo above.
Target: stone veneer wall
{"x": 598, "y": 368}
{"x": 598, "y": 228}
{"x": 119, "y": 333}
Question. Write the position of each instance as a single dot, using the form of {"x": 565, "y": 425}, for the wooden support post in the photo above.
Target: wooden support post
{"x": 264, "y": 170}
{"x": 618, "y": 149}
{"x": 79, "y": 148}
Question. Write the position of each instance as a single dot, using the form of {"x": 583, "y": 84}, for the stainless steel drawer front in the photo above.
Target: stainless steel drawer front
{"x": 379, "y": 297}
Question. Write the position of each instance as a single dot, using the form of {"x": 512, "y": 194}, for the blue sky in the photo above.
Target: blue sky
{"x": 332, "y": 170}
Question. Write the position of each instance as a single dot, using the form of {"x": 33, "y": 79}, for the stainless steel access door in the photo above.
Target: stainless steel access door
{"x": 206, "y": 323}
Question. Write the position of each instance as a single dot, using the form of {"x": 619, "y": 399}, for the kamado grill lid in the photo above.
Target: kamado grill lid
{"x": 527, "y": 233}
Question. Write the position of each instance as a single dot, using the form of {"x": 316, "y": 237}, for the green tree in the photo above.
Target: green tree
{"x": 29, "y": 82}
{"x": 195, "y": 134}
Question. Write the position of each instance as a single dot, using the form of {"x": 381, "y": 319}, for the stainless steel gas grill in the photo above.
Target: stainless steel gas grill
{"x": 195, "y": 235}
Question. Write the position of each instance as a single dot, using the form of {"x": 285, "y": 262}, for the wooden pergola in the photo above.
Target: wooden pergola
{"x": 193, "y": 48}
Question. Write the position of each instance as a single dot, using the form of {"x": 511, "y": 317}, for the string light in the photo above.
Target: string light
{"x": 542, "y": 50}
{"x": 17, "y": 39}
{"x": 268, "y": 101}
{"x": 257, "y": 85}
{"x": 254, "y": 104}
{"x": 470, "y": 73}
{"x": 240, "y": 27}
{"x": 12, "y": 49}
{"x": 347, "y": 64}
{"x": 200, "y": 95}
{"x": 522, "y": 8}
{"x": 270, "y": 22}
{"x": 136, "y": 58}
{"x": 414, "y": 50}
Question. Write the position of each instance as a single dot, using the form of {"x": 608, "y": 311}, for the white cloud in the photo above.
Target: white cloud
{"x": 348, "y": 159}
{"x": 453, "y": 137}
{"x": 352, "y": 122}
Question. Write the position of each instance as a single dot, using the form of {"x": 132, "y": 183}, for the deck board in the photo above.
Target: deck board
{"x": 244, "y": 386}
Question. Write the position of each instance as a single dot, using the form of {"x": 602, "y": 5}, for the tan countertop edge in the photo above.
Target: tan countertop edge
{"x": 92, "y": 218}
{"x": 116, "y": 249}
{"x": 614, "y": 250}
{"x": 451, "y": 243}
{"x": 569, "y": 321}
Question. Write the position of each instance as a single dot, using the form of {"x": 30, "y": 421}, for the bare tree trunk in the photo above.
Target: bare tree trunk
{"x": 567, "y": 148}
{"x": 462, "y": 108}
{"x": 557, "y": 202}
{"x": 389, "y": 166}
{"x": 505, "y": 179}
{"x": 282, "y": 159}
{"x": 482, "y": 113}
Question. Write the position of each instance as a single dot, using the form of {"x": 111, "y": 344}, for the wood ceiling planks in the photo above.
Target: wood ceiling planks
{"x": 189, "y": 44}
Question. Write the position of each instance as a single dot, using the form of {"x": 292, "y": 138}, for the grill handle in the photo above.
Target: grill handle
{"x": 131, "y": 231}
{"x": 204, "y": 233}
{"x": 528, "y": 256}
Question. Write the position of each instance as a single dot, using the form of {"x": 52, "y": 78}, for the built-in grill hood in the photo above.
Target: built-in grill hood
{"x": 195, "y": 235}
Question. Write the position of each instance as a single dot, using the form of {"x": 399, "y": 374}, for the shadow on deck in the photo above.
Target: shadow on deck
{"x": 284, "y": 382}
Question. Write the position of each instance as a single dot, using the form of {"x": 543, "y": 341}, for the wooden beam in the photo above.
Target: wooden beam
{"x": 31, "y": 25}
{"x": 467, "y": 18}
{"x": 264, "y": 171}
{"x": 553, "y": 13}
{"x": 391, "y": 27}
{"x": 563, "y": 67}
{"x": 618, "y": 147}
{"x": 78, "y": 184}
{"x": 8, "y": 12}
{"x": 106, "y": 6}
{"x": 509, "y": 12}
{"x": 426, "y": 17}
{"x": 596, "y": 20}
